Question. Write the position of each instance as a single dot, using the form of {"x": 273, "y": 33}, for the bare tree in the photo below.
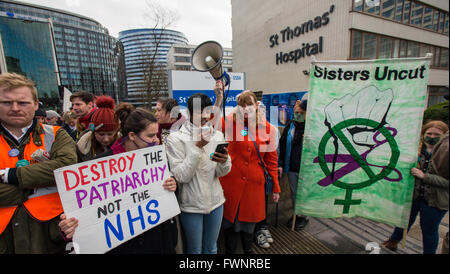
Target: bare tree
{"x": 155, "y": 77}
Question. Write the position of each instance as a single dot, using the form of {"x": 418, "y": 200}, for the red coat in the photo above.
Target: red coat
{"x": 244, "y": 185}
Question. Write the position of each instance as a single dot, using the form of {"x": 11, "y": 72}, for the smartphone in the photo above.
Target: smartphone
{"x": 221, "y": 148}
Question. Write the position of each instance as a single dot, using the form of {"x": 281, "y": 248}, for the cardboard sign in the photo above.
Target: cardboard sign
{"x": 116, "y": 198}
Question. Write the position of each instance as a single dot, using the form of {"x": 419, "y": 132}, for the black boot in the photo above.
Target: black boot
{"x": 247, "y": 242}
{"x": 231, "y": 240}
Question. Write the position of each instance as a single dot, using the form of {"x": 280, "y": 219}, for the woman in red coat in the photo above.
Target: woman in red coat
{"x": 244, "y": 186}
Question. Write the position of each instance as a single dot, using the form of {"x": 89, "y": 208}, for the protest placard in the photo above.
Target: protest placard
{"x": 116, "y": 198}
{"x": 361, "y": 139}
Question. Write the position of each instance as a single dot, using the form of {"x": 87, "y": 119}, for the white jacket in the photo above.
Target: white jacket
{"x": 199, "y": 189}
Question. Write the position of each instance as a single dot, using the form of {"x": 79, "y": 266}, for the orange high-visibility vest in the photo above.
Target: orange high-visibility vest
{"x": 45, "y": 203}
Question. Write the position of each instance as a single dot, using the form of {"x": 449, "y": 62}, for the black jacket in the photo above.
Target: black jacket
{"x": 296, "y": 149}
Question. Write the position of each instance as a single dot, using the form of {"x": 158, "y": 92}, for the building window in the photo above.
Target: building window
{"x": 406, "y": 11}
{"x": 436, "y": 95}
{"x": 428, "y": 18}
{"x": 373, "y": 46}
{"x": 416, "y": 14}
{"x": 372, "y": 6}
{"x": 444, "y": 58}
{"x": 413, "y": 49}
{"x": 369, "y": 46}
{"x": 425, "y": 49}
{"x": 358, "y": 5}
{"x": 388, "y": 8}
{"x": 399, "y": 11}
{"x": 356, "y": 45}
{"x": 385, "y": 47}
{"x": 409, "y": 12}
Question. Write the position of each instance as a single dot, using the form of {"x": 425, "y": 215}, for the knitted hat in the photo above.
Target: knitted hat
{"x": 105, "y": 114}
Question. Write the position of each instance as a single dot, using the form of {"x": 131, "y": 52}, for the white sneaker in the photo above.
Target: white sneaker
{"x": 261, "y": 240}
{"x": 266, "y": 233}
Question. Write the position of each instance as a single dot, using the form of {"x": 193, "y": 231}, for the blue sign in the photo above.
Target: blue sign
{"x": 183, "y": 84}
{"x": 182, "y": 96}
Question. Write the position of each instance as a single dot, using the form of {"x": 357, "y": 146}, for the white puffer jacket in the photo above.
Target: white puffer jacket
{"x": 198, "y": 176}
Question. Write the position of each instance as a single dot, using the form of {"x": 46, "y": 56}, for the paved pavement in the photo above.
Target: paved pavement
{"x": 335, "y": 236}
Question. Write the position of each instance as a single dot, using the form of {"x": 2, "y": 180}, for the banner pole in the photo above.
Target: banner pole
{"x": 405, "y": 233}
{"x": 293, "y": 222}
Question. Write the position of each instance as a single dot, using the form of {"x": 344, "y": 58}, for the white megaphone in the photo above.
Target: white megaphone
{"x": 208, "y": 56}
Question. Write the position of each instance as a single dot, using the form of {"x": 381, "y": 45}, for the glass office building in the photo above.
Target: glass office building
{"x": 143, "y": 47}
{"x": 28, "y": 50}
{"x": 84, "y": 48}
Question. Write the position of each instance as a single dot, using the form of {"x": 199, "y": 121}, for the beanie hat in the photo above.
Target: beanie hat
{"x": 105, "y": 114}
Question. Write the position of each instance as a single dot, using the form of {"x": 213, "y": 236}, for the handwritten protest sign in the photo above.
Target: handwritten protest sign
{"x": 361, "y": 139}
{"x": 116, "y": 198}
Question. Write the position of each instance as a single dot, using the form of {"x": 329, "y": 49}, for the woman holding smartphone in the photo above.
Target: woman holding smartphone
{"x": 197, "y": 166}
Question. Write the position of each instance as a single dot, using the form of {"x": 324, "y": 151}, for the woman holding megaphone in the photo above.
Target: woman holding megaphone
{"x": 252, "y": 144}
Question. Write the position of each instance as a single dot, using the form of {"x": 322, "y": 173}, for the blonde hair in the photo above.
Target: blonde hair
{"x": 10, "y": 81}
{"x": 68, "y": 116}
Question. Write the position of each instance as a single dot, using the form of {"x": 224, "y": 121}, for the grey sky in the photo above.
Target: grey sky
{"x": 200, "y": 20}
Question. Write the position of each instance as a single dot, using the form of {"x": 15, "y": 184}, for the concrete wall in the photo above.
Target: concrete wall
{"x": 254, "y": 22}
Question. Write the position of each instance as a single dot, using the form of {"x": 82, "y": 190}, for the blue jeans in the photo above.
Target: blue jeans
{"x": 430, "y": 218}
{"x": 202, "y": 230}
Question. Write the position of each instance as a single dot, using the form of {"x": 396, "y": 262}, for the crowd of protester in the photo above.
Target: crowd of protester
{"x": 218, "y": 192}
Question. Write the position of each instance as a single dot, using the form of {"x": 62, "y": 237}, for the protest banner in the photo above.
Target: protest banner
{"x": 116, "y": 198}
{"x": 361, "y": 139}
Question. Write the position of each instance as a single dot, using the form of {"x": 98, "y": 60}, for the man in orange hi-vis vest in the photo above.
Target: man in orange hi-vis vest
{"x": 29, "y": 152}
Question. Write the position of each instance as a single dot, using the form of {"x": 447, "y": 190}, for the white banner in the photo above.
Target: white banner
{"x": 66, "y": 100}
{"x": 116, "y": 198}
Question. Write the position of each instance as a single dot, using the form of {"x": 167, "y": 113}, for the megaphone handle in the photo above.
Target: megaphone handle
{"x": 227, "y": 78}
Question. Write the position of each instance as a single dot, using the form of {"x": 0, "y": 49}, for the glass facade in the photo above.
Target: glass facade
{"x": 84, "y": 48}
{"x": 28, "y": 50}
{"x": 146, "y": 50}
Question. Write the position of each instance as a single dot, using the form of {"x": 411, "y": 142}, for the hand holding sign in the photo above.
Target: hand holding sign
{"x": 68, "y": 225}
{"x": 111, "y": 200}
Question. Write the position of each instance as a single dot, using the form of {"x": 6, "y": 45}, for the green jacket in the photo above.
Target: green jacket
{"x": 439, "y": 190}
{"x": 436, "y": 179}
{"x": 439, "y": 174}
{"x": 25, "y": 234}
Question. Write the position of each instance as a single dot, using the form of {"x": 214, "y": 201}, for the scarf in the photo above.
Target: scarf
{"x": 84, "y": 121}
{"x": 118, "y": 147}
